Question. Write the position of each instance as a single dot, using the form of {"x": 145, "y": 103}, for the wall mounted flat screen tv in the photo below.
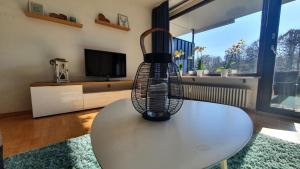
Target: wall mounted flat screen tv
{"x": 104, "y": 64}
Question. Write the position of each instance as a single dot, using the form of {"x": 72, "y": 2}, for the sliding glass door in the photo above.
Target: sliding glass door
{"x": 286, "y": 81}
{"x": 279, "y": 64}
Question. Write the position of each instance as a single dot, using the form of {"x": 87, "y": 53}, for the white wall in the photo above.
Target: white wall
{"x": 27, "y": 44}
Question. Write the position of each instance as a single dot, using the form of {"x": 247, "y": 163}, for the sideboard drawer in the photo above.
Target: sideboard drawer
{"x": 50, "y": 100}
{"x": 94, "y": 100}
{"x": 107, "y": 87}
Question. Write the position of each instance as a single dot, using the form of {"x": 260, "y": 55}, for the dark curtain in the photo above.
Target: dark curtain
{"x": 266, "y": 57}
{"x": 160, "y": 19}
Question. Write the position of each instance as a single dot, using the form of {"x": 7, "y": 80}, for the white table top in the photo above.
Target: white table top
{"x": 201, "y": 134}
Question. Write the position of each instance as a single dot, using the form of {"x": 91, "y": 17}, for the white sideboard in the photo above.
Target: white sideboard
{"x": 92, "y": 100}
{"x": 53, "y": 98}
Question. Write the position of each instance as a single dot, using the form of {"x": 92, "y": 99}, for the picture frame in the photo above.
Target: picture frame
{"x": 36, "y": 8}
{"x": 61, "y": 71}
{"x": 123, "y": 20}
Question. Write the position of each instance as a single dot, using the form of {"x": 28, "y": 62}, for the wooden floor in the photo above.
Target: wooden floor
{"x": 21, "y": 133}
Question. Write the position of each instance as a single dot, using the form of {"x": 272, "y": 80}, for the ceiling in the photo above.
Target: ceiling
{"x": 147, "y": 3}
{"x": 214, "y": 14}
{"x": 174, "y": 2}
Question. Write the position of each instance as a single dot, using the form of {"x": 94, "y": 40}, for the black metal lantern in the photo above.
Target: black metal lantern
{"x": 157, "y": 90}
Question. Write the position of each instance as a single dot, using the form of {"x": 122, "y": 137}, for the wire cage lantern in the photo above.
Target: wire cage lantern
{"x": 157, "y": 90}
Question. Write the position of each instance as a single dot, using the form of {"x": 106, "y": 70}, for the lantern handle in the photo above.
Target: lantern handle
{"x": 146, "y": 33}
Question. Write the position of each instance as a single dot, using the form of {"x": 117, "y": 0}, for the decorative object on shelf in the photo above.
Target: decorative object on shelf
{"x": 35, "y": 8}
{"x": 231, "y": 58}
{"x": 63, "y": 17}
{"x": 225, "y": 70}
{"x": 191, "y": 72}
{"x": 101, "y": 17}
{"x": 72, "y": 19}
{"x": 190, "y": 59}
{"x": 61, "y": 72}
{"x": 200, "y": 67}
{"x": 123, "y": 20}
{"x": 200, "y": 64}
{"x": 58, "y": 16}
{"x": 104, "y": 21}
{"x": 178, "y": 54}
{"x": 233, "y": 71}
{"x": 54, "y": 15}
{"x": 157, "y": 91}
{"x": 180, "y": 66}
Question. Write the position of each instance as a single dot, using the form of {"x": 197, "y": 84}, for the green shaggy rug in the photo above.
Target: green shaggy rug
{"x": 262, "y": 152}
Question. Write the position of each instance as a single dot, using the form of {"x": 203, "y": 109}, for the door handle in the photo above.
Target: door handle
{"x": 274, "y": 50}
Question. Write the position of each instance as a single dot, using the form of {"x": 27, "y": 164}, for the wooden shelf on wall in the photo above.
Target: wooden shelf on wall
{"x": 52, "y": 19}
{"x": 111, "y": 25}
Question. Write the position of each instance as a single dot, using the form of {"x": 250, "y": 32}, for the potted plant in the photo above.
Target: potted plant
{"x": 180, "y": 68}
{"x": 191, "y": 72}
{"x": 199, "y": 63}
{"x": 232, "y": 56}
{"x": 200, "y": 67}
{"x": 224, "y": 70}
{"x": 178, "y": 54}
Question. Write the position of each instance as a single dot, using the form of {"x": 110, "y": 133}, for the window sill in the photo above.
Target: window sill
{"x": 219, "y": 77}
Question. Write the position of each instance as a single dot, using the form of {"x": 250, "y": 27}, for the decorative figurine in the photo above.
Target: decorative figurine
{"x": 61, "y": 72}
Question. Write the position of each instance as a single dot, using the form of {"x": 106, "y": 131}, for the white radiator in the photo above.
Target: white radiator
{"x": 234, "y": 96}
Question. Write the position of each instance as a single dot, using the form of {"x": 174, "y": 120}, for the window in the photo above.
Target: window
{"x": 235, "y": 44}
{"x": 285, "y": 88}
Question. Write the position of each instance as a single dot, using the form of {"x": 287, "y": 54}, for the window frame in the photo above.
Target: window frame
{"x": 257, "y": 74}
{"x": 270, "y": 18}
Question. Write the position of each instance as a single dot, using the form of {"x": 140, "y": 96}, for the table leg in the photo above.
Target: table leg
{"x": 224, "y": 164}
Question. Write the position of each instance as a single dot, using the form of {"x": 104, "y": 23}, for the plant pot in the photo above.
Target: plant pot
{"x": 224, "y": 73}
{"x": 180, "y": 72}
{"x": 200, "y": 73}
{"x": 191, "y": 72}
{"x": 205, "y": 72}
{"x": 233, "y": 71}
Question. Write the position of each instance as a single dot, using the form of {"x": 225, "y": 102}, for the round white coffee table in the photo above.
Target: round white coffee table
{"x": 200, "y": 135}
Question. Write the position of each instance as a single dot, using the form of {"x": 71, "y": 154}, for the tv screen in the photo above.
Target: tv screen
{"x": 104, "y": 64}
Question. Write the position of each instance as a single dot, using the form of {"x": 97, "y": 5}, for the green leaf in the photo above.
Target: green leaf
{"x": 220, "y": 69}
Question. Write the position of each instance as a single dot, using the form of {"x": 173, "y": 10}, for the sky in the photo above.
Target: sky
{"x": 247, "y": 28}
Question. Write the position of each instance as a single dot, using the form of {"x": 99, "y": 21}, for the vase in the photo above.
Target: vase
{"x": 224, "y": 73}
{"x": 200, "y": 73}
{"x": 180, "y": 72}
{"x": 205, "y": 72}
{"x": 233, "y": 71}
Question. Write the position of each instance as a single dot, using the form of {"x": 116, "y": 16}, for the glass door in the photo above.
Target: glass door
{"x": 286, "y": 77}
